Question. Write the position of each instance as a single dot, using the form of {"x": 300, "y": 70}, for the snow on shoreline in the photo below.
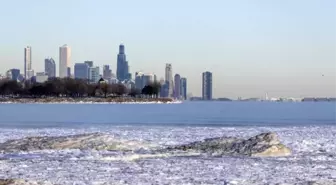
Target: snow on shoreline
{"x": 92, "y": 102}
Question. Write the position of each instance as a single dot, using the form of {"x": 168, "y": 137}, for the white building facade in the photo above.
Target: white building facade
{"x": 41, "y": 77}
{"x": 27, "y": 61}
{"x": 169, "y": 79}
{"x": 64, "y": 60}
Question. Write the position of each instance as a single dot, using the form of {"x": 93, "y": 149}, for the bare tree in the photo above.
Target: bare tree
{"x": 105, "y": 88}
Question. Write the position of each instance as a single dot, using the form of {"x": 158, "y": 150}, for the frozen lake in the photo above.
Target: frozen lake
{"x": 309, "y": 129}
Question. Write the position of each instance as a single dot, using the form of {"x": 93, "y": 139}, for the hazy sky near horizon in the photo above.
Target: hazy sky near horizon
{"x": 280, "y": 47}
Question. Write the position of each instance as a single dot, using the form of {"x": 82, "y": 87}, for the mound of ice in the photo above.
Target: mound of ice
{"x": 265, "y": 144}
{"x": 21, "y": 182}
{"x": 96, "y": 141}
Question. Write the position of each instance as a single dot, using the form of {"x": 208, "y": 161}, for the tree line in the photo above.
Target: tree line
{"x": 68, "y": 87}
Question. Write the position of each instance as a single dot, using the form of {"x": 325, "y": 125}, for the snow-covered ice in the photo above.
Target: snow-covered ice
{"x": 92, "y": 102}
{"x": 313, "y": 159}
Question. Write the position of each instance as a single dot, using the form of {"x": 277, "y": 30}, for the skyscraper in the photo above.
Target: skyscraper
{"x": 30, "y": 74}
{"x": 138, "y": 80}
{"x": 177, "y": 85}
{"x": 169, "y": 79}
{"x": 64, "y": 60}
{"x": 27, "y": 61}
{"x": 126, "y": 70}
{"x": 41, "y": 77}
{"x": 143, "y": 79}
{"x": 147, "y": 79}
{"x": 155, "y": 78}
{"x": 207, "y": 85}
{"x": 69, "y": 72}
{"x": 50, "y": 67}
{"x": 94, "y": 75}
{"x": 13, "y": 74}
{"x": 89, "y": 63}
{"x": 107, "y": 72}
{"x": 164, "y": 91}
{"x": 184, "y": 88}
{"x": 122, "y": 64}
{"x": 81, "y": 71}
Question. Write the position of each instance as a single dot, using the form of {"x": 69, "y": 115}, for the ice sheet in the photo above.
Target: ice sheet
{"x": 313, "y": 159}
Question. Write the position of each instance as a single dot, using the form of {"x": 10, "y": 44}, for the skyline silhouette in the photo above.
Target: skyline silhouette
{"x": 252, "y": 48}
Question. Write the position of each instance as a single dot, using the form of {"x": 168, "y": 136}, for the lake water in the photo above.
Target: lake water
{"x": 308, "y": 128}
{"x": 185, "y": 114}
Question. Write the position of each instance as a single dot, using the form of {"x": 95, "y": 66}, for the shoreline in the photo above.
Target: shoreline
{"x": 91, "y": 100}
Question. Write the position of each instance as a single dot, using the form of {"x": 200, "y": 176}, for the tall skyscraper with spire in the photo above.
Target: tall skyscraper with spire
{"x": 122, "y": 64}
{"x": 27, "y": 61}
{"x": 64, "y": 61}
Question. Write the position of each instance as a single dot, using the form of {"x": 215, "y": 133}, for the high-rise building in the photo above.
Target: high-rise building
{"x": 126, "y": 70}
{"x": 27, "y": 61}
{"x": 155, "y": 79}
{"x": 89, "y": 63}
{"x": 143, "y": 79}
{"x": 177, "y": 85}
{"x": 9, "y": 74}
{"x": 81, "y": 71}
{"x": 122, "y": 64}
{"x": 169, "y": 79}
{"x": 20, "y": 78}
{"x": 30, "y": 74}
{"x": 183, "y": 88}
{"x": 162, "y": 81}
{"x": 107, "y": 72}
{"x": 94, "y": 75}
{"x": 50, "y": 67}
{"x": 138, "y": 80}
{"x": 168, "y": 73}
{"x": 13, "y": 74}
{"x": 164, "y": 91}
{"x": 41, "y": 77}
{"x": 129, "y": 76}
{"x": 147, "y": 79}
{"x": 69, "y": 72}
{"x": 64, "y": 61}
{"x": 207, "y": 86}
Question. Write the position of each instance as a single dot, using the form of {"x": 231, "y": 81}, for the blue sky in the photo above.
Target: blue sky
{"x": 282, "y": 47}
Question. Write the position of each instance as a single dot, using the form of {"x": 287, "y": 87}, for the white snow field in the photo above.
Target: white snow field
{"x": 313, "y": 158}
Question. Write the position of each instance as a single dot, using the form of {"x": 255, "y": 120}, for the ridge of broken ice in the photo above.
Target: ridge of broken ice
{"x": 95, "y": 141}
{"x": 264, "y": 144}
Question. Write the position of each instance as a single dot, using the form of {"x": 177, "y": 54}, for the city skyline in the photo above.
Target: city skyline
{"x": 252, "y": 48}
